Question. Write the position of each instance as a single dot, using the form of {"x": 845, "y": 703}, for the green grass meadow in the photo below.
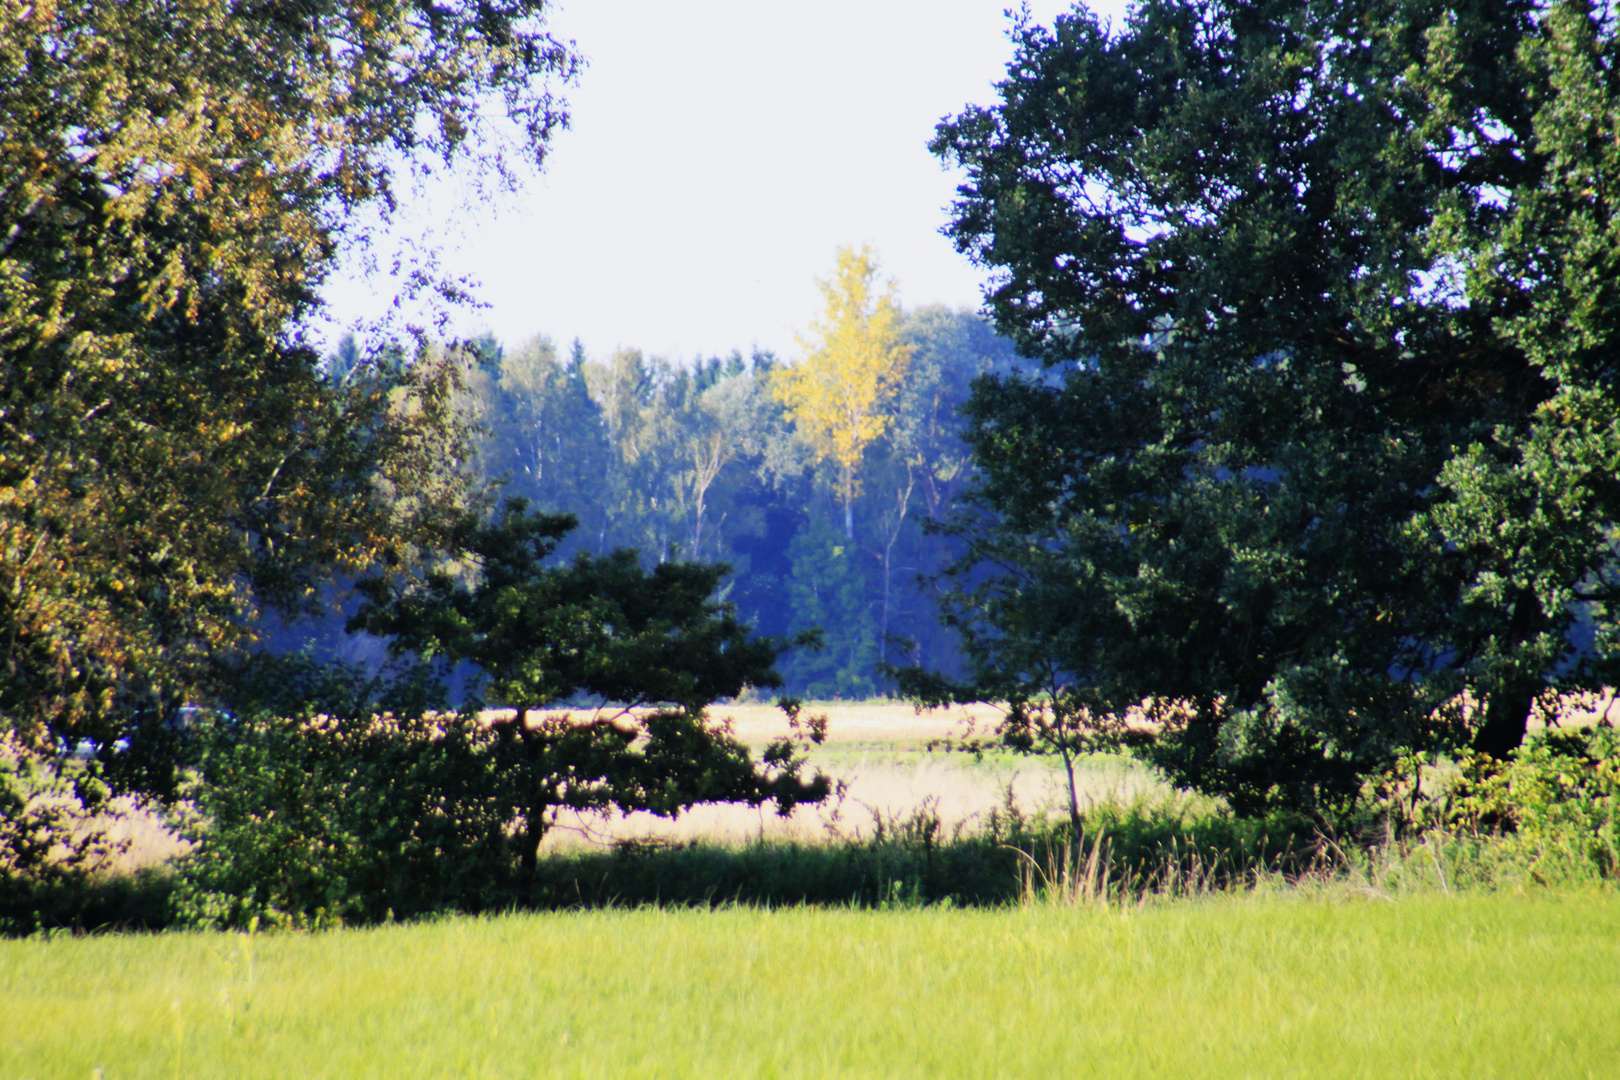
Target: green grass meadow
{"x": 1482, "y": 985}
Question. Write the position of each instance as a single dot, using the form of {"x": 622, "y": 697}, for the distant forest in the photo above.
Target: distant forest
{"x": 701, "y": 461}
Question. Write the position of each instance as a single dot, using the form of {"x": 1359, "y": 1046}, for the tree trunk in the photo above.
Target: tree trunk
{"x": 848, "y": 493}
{"x": 534, "y": 824}
{"x": 1074, "y": 795}
{"x": 1507, "y": 717}
{"x": 534, "y": 831}
{"x": 1507, "y": 710}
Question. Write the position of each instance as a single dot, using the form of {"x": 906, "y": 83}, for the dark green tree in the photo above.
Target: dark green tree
{"x": 1323, "y": 462}
{"x": 830, "y": 594}
{"x": 608, "y": 666}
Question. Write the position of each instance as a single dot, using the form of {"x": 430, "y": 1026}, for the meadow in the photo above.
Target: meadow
{"x": 1325, "y": 984}
{"x": 892, "y": 762}
{"x": 926, "y": 926}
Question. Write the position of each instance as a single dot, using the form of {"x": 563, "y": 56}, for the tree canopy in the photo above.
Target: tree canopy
{"x": 178, "y": 179}
{"x": 1324, "y": 462}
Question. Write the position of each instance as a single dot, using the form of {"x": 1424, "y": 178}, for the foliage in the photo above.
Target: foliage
{"x": 839, "y": 397}
{"x": 545, "y": 434}
{"x": 601, "y": 629}
{"x": 324, "y": 806}
{"x": 179, "y": 179}
{"x": 51, "y": 843}
{"x": 1328, "y": 431}
{"x": 1556, "y": 800}
{"x": 701, "y": 461}
{"x": 827, "y": 590}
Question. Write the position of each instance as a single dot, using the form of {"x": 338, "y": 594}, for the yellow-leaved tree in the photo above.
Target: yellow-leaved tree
{"x": 839, "y": 395}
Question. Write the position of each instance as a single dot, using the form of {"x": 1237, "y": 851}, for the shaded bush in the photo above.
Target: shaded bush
{"x": 53, "y": 849}
{"x": 332, "y": 800}
{"x": 314, "y": 821}
{"x": 325, "y": 797}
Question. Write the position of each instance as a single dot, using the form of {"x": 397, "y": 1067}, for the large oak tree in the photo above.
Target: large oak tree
{"x": 1324, "y": 462}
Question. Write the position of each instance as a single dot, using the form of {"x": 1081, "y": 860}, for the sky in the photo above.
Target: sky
{"x": 720, "y": 151}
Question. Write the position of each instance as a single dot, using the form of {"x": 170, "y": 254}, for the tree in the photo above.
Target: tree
{"x": 178, "y": 180}
{"x": 829, "y": 594}
{"x": 721, "y": 424}
{"x": 545, "y": 435}
{"x": 949, "y": 350}
{"x": 838, "y": 396}
{"x": 1326, "y": 447}
{"x": 598, "y": 629}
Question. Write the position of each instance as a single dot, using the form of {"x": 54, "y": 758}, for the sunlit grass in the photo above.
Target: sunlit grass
{"x": 1477, "y": 986}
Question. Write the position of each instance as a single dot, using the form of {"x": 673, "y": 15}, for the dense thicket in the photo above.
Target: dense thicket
{"x": 1325, "y": 462}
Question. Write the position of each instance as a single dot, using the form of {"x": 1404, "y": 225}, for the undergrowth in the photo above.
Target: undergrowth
{"x": 1545, "y": 819}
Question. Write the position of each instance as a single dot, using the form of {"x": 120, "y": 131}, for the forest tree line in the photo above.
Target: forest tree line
{"x": 702, "y": 461}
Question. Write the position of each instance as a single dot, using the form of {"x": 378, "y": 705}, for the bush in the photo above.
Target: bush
{"x": 316, "y": 821}
{"x": 1556, "y": 802}
{"x": 52, "y": 845}
{"x": 337, "y": 797}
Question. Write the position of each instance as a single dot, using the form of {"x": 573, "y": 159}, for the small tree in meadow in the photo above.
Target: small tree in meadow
{"x": 610, "y": 669}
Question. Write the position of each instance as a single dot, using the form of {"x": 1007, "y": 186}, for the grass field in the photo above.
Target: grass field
{"x": 1479, "y": 986}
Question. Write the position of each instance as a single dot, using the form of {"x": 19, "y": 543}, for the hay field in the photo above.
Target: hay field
{"x": 879, "y": 751}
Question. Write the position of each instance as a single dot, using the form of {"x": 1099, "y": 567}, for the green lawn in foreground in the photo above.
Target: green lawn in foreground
{"x": 1480, "y": 986}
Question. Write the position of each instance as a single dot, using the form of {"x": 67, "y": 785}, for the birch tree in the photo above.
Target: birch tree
{"x": 176, "y": 180}
{"x": 840, "y": 395}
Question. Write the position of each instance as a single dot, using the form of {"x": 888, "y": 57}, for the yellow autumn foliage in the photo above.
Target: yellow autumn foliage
{"x": 840, "y": 395}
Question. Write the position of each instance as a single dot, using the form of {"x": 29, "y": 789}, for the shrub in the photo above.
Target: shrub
{"x": 314, "y": 821}
{"x": 55, "y": 851}
{"x": 334, "y": 797}
{"x": 1556, "y": 803}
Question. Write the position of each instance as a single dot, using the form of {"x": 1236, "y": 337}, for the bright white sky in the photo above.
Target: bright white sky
{"x": 720, "y": 151}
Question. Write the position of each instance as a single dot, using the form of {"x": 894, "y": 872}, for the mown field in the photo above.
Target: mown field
{"x": 1323, "y": 985}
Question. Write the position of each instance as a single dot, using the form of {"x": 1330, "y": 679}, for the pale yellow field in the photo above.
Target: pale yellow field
{"x": 864, "y": 722}
{"x": 879, "y": 753}
{"x": 889, "y": 723}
